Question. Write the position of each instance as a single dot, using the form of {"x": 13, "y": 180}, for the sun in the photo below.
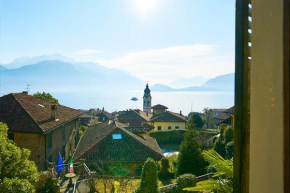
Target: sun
{"x": 145, "y": 5}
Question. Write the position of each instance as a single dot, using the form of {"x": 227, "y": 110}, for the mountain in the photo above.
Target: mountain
{"x": 27, "y": 60}
{"x": 3, "y": 67}
{"x": 164, "y": 88}
{"x": 219, "y": 83}
{"x": 54, "y": 75}
{"x": 223, "y": 82}
{"x": 188, "y": 82}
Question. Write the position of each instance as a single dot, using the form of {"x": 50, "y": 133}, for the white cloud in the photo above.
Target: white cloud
{"x": 166, "y": 64}
{"x": 88, "y": 52}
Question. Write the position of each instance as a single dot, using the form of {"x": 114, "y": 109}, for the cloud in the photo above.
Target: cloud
{"x": 88, "y": 52}
{"x": 166, "y": 64}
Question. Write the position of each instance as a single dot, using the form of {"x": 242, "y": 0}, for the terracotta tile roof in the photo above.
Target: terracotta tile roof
{"x": 230, "y": 111}
{"x": 168, "y": 116}
{"x": 135, "y": 114}
{"x": 25, "y": 113}
{"x": 159, "y": 106}
{"x": 131, "y": 148}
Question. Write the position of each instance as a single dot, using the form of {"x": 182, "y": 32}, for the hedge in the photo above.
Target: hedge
{"x": 166, "y": 137}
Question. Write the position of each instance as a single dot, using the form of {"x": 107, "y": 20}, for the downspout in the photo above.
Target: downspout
{"x": 45, "y": 158}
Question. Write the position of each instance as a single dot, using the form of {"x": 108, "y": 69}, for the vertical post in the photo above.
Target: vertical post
{"x": 242, "y": 98}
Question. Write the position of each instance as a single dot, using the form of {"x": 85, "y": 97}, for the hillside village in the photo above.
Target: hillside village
{"x": 97, "y": 138}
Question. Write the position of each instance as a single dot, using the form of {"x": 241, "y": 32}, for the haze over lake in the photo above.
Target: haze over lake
{"x": 120, "y": 100}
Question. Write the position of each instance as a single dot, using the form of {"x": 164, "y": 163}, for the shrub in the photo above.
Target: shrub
{"x": 230, "y": 150}
{"x": 190, "y": 159}
{"x": 229, "y": 135}
{"x": 164, "y": 172}
{"x": 149, "y": 183}
{"x": 185, "y": 180}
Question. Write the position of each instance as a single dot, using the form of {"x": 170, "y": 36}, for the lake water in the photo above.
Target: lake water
{"x": 113, "y": 100}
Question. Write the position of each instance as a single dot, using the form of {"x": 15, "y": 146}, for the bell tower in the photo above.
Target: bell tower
{"x": 147, "y": 99}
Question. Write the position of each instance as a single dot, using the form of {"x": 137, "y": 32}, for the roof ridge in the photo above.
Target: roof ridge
{"x": 26, "y": 111}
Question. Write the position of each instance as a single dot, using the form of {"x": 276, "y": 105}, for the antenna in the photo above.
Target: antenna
{"x": 28, "y": 87}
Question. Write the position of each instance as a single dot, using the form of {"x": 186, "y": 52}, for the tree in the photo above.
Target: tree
{"x": 197, "y": 120}
{"x": 149, "y": 183}
{"x": 224, "y": 142}
{"x": 223, "y": 177}
{"x": 190, "y": 159}
{"x": 229, "y": 134}
{"x": 17, "y": 173}
{"x": 46, "y": 96}
{"x": 82, "y": 129}
{"x": 209, "y": 117}
{"x": 164, "y": 172}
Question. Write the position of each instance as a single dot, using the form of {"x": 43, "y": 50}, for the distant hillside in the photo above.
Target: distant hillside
{"x": 219, "y": 83}
{"x": 188, "y": 82}
{"x": 2, "y": 67}
{"x": 27, "y": 60}
{"x": 224, "y": 82}
{"x": 58, "y": 75}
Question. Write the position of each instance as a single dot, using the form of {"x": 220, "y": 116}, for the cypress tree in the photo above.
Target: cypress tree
{"x": 190, "y": 159}
{"x": 149, "y": 183}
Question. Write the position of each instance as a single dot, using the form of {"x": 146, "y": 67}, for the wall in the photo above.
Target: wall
{"x": 35, "y": 143}
{"x": 164, "y": 125}
{"x": 267, "y": 118}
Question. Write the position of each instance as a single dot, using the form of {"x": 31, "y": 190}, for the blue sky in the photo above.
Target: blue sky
{"x": 157, "y": 40}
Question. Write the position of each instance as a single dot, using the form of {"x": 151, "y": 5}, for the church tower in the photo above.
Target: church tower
{"x": 147, "y": 99}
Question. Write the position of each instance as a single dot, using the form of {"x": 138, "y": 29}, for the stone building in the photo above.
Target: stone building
{"x": 40, "y": 126}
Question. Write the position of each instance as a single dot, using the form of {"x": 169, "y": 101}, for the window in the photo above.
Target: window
{"x": 70, "y": 130}
{"x": 11, "y": 136}
{"x": 159, "y": 128}
{"x": 117, "y": 136}
{"x": 169, "y": 127}
{"x": 176, "y": 127}
{"x": 63, "y": 132}
{"x": 50, "y": 140}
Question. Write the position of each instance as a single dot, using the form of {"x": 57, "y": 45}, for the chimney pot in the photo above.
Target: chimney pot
{"x": 54, "y": 111}
{"x": 25, "y": 92}
{"x": 180, "y": 112}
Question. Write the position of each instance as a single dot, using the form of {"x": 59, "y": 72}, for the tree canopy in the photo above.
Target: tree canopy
{"x": 190, "y": 159}
{"x": 46, "y": 96}
{"x": 17, "y": 173}
{"x": 196, "y": 119}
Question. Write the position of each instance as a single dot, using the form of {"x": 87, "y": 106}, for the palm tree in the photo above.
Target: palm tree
{"x": 222, "y": 180}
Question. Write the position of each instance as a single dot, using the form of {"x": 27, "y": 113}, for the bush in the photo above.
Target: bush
{"x": 168, "y": 137}
{"x": 149, "y": 183}
{"x": 190, "y": 159}
{"x": 230, "y": 150}
{"x": 164, "y": 172}
{"x": 229, "y": 135}
{"x": 185, "y": 180}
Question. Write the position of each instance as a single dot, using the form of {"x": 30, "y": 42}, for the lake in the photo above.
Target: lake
{"x": 113, "y": 100}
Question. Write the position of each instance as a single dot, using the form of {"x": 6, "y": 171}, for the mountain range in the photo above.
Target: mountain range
{"x": 219, "y": 83}
{"x": 56, "y": 73}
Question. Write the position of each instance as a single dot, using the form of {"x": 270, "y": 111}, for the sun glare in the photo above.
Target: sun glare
{"x": 145, "y": 5}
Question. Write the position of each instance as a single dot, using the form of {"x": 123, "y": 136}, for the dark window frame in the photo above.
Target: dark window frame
{"x": 159, "y": 128}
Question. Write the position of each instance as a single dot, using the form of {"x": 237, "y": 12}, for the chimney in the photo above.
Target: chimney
{"x": 180, "y": 112}
{"x": 54, "y": 111}
{"x": 25, "y": 92}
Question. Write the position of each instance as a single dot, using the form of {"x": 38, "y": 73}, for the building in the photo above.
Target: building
{"x": 158, "y": 109}
{"x": 86, "y": 119}
{"x": 226, "y": 117}
{"x": 111, "y": 142}
{"x": 147, "y": 100}
{"x": 104, "y": 116}
{"x": 40, "y": 126}
{"x": 168, "y": 120}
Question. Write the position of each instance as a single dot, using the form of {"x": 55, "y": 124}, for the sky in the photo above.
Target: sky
{"x": 156, "y": 40}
